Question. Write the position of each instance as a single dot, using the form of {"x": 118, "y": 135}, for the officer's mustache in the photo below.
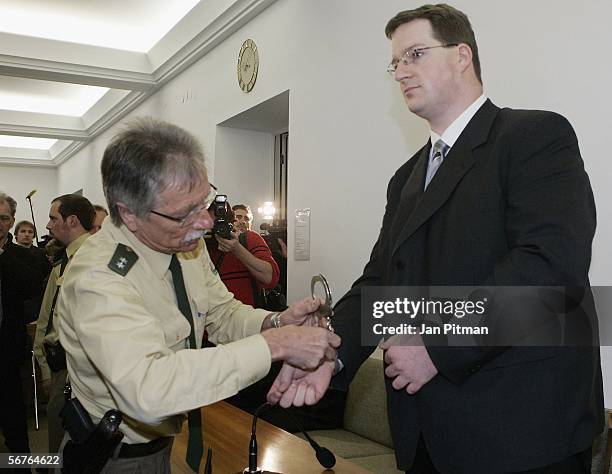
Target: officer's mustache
{"x": 194, "y": 235}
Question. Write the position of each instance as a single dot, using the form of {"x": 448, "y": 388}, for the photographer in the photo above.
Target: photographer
{"x": 275, "y": 235}
{"x": 242, "y": 257}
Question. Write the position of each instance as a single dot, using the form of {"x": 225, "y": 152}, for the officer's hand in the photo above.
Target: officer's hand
{"x": 302, "y": 313}
{"x": 228, "y": 245}
{"x": 302, "y": 347}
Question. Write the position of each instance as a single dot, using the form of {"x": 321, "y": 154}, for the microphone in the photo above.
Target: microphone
{"x": 29, "y": 198}
{"x": 325, "y": 457}
{"x": 253, "y": 469}
{"x": 208, "y": 466}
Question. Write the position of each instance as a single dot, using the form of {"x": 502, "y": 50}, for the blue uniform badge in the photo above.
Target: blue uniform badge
{"x": 122, "y": 260}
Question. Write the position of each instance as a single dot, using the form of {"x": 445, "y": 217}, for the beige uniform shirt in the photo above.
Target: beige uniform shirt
{"x": 45, "y": 309}
{"x": 126, "y": 340}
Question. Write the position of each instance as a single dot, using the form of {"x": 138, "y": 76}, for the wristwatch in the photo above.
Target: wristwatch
{"x": 275, "y": 320}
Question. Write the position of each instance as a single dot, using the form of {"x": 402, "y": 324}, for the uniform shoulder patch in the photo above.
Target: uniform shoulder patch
{"x": 122, "y": 260}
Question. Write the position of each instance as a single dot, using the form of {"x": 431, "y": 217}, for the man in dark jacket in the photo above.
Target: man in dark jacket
{"x": 495, "y": 198}
{"x": 17, "y": 268}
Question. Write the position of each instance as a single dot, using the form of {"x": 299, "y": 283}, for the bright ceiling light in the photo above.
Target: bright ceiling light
{"x": 46, "y": 97}
{"x": 26, "y": 142}
{"x": 130, "y": 26}
{"x": 267, "y": 211}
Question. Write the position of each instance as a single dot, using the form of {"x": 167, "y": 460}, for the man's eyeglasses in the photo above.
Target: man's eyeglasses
{"x": 191, "y": 216}
{"x": 412, "y": 55}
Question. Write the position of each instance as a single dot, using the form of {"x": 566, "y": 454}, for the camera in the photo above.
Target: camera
{"x": 223, "y": 217}
{"x": 271, "y": 232}
{"x": 277, "y": 229}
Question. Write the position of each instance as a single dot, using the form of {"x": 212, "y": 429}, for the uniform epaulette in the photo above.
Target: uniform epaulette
{"x": 122, "y": 260}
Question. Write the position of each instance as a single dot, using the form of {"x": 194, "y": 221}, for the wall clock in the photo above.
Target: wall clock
{"x": 248, "y": 65}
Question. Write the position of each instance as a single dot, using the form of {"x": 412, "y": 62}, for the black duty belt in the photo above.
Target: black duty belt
{"x": 144, "y": 449}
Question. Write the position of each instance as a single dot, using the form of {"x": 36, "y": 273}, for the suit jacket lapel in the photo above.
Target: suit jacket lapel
{"x": 412, "y": 191}
{"x": 456, "y": 164}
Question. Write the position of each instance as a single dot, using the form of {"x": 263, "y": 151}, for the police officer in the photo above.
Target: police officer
{"x": 70, "y": 219}
{"x": 140, "y": 293}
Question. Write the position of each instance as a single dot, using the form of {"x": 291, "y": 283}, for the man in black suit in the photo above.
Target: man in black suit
{"x": 15, "y": 274}
{"x": 496, "y": 197}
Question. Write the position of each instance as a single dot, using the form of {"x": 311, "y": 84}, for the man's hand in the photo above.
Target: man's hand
{"x": 302, "y": 313}
{"x": 297, "y": 387}
{"x": 303, "y": 347}
{"x": 409, "y": 363}
{"x": 227, "y": 245}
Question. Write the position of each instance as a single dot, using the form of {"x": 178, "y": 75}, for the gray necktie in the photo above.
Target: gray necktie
{"x": 439, "y": 152}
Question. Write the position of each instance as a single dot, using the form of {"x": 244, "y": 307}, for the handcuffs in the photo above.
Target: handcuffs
{"x": 325, "y": 311}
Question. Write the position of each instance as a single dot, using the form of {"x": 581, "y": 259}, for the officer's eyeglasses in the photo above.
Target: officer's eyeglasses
{"x": 413, "y": 55}
{"x": 192, "y": 215}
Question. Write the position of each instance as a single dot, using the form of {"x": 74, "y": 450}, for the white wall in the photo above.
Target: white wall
{"x": 243, "y": 167}
{"x": 18, "y": 181}
{"x": 349, "y": 129}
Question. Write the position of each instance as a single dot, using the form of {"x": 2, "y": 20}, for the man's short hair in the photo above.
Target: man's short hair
{"x": 97, "y": 207}
{"x": 79, "y": 206}
{"x": 244, "y": 207}
{"x": 448, "y": 25}
{"x": 10, "y": 201}
{"x": 20, "y": 224}
{"x": 143, "y": 160}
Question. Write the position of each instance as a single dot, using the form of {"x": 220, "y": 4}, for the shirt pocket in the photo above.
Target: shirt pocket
{"x": 176, "y": 330}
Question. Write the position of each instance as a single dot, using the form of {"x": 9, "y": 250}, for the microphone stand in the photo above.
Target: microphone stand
{"x": 325, "y": 457}
{"x": 253, "y": 469}
{"x": 29, "y": 198}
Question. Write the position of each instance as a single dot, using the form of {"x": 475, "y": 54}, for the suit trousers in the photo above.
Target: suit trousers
{"x": 579, "y": 463}
{"x": 12, "y": 409}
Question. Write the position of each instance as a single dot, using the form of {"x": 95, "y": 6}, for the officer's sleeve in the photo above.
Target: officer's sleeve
{"x": 127, "y": 348}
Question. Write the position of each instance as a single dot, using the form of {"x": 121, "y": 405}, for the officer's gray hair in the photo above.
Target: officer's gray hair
{"x": 143, "y": 160}
{"x": 11, "y": 202}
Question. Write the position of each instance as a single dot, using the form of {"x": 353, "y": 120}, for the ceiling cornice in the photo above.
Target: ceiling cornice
{"x": 227, "y": 23}
{"x": 27, "y": 162}
{"x": 141, "y": 84}
{"x": 42, "y": 132}
{"x": 46, "y": 70}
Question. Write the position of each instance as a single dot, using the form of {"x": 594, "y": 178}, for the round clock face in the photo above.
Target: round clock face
{"x": 248, "y": 64}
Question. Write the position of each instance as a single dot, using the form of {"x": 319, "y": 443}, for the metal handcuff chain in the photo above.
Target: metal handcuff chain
{"x": 325, "y": 311}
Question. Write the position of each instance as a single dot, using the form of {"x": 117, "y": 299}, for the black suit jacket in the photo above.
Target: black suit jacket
{"x": 19, "y": 269}
{"x": 510, "y": 205}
